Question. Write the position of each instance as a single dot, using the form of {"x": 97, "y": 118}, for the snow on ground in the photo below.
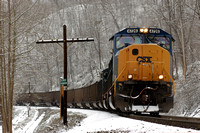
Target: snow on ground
{"x": 103, "y": 121}
{"x": 36, "y": 120}
{"x": 47, "y": 120}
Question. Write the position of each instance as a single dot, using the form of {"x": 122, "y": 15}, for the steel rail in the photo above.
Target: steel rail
{"x": 185, "y": 122}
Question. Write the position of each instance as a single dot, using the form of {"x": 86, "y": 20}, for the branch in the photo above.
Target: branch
{"x": 17, "y": 18}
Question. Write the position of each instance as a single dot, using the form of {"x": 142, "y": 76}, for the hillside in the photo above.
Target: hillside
{"x": 43, "y": 65}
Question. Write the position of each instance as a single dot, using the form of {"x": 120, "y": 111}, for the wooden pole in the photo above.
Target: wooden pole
{"x": 65, "y": 74}
{"x": 63, "y": 87}
{"x": 61, "y": 101}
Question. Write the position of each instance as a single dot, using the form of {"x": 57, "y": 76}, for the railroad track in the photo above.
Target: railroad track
{"x": 186, "y": 122}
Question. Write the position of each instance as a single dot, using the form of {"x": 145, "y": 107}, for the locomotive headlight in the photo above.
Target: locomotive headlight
{"x": 130, "y": 76}
{"x": 141, "y": 30}
{"x": 145, "y": 30}
{"x": 161, "y": 77}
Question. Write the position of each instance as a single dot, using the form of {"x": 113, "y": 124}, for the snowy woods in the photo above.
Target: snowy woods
{"x": 22, "y": 23}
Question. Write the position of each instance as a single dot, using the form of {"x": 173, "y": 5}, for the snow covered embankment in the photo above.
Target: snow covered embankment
{"x": 47, "y": 120}
{"x": 42, "y": 120}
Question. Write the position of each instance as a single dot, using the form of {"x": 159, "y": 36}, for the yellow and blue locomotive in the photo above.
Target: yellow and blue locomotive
{"x": 139, "y": 76}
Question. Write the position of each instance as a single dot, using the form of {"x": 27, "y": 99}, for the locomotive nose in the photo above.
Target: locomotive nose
{"x": 145, "y": 62}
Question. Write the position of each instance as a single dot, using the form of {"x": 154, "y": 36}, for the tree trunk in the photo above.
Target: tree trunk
{"x": 183, "y": 49}
{"x": 9, "y": 70}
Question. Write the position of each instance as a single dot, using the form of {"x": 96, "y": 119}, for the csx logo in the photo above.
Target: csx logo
{"x": 144, "y": 59}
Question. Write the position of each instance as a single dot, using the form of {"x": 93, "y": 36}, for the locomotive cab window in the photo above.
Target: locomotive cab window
{"x": 161, "y": 41}
{"x": 124, "y": 41}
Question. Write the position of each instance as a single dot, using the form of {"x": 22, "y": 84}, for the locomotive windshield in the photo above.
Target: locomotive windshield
{"x": 161, "y": 41}
{"x": 131, "y": 36}
{"x": 124, "y": 41}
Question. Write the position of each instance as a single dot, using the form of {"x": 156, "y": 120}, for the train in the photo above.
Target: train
{"x": 139, "y": 77}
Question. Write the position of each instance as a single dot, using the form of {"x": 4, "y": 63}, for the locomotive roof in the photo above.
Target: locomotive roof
{"x": 151, "y": 31}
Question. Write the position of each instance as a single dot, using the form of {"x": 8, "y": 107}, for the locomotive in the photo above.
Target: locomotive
{"x": 138, "y": 78}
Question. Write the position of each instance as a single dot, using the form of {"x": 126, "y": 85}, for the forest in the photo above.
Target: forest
{"x": 26, "y": 66}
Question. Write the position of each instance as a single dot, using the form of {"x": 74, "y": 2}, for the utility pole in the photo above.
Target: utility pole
{"x": 63, "y": 88}
{"x": 65, "y": 74}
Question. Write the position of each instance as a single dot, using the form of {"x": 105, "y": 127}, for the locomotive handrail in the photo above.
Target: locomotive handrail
{"x": 114, "y": 83}
{"x": 146, "y": 88}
